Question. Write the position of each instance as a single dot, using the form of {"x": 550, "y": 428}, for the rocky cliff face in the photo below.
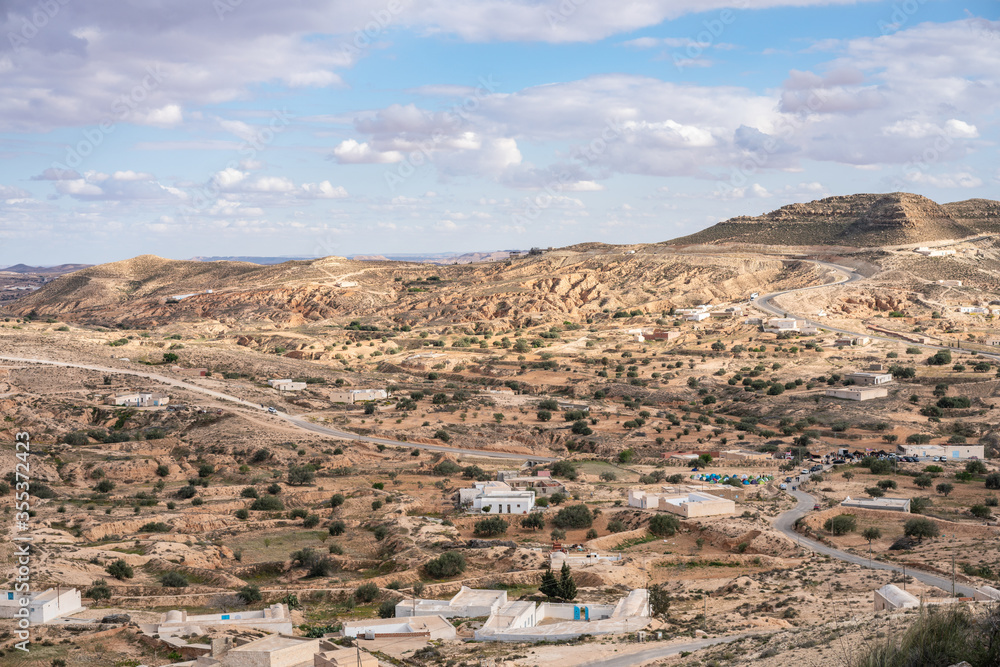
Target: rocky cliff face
{"x": 862, "y": 220}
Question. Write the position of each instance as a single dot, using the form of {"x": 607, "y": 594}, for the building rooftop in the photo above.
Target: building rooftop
{"x": 273, "y": 643}
{"x": 893, "y": 503}
{"x": 476, "y": 597}
{"x": 898, "y": 597}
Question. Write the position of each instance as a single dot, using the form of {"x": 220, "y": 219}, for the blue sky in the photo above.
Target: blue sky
{"x": 405, "y": 126}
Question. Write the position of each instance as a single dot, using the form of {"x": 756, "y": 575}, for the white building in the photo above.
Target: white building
{"x": 287, "y": 385}
{"x": 177, "y": 622}
{"x": 949, "y": 451}
{"x": 888, "y": 504}
{"x": 949, "y": 283}
{"x": 352, "y": 396}
{"x": 527, "y": 621}
{"x": 139, "y": 399}
{"x": 728, "y": 313}
{"x": 467, "y": 603}
{"x": 428, "y": 627}
{"x": 934, "y": 252}
{"x": 496, "y": 498}
{"x": 857, "y": 393}
{"x": 870, "y": 379}
{"x": 42, "y": 607}
{"x": 890, "y": 598}
{"x": 789, "y": 325}
{"x": 973, "y": 310}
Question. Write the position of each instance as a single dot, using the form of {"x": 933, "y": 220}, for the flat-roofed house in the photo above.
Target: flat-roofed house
{"x": 857, "y": 394}
{"x": 870, "y": 379}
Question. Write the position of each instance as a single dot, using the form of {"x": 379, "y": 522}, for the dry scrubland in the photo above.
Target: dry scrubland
{"x": 480, "y": 358}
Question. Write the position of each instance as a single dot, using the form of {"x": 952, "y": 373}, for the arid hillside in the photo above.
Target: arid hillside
{"x": 570, "y": 284}
{"x": 862, "y": 220}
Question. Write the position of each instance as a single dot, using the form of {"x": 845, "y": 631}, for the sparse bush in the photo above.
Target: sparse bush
{"x": 121, "y": 570}
{"x": 366, "y": 593}
{"x": 574, "y": 516}
{"x": 173, "y": 579}
{"x": 664, "y": 525}
{"x": 268, "y": 504}
{"x": 448, "y": 564}
{"x": 841, "y": 524}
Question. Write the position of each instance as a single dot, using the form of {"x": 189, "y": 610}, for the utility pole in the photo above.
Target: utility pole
{"x": 904, "y": 577}
{"x": 953, "y": 575}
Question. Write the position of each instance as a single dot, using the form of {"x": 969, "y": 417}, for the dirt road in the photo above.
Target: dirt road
{"x": 298, "y": 422}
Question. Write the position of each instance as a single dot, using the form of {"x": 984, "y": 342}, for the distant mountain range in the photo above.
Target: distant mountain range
{"x": 421, "y": 258}
{"x": 46, "y": 270}
{"x": 862, "y": 220}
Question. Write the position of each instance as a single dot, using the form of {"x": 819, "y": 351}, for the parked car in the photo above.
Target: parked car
{"x": 272, "y": 411}
{"x": 815, "y": 468}
{"x": 788, "y": 479}
{"x": 839, "y": 461}
{"x": 782, "y": 486}
{"x": 805, "y": 471}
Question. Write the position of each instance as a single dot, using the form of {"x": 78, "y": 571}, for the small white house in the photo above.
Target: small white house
{"x": 42, "y": 607}
{"x": 870, "y": 379}
{"x": 287, "y": 385}
{"x": 496, "y": 498}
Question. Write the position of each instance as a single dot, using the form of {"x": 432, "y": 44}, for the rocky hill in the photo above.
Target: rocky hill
{"x": 862, "y": 220}
{"x": 556, "y": 286}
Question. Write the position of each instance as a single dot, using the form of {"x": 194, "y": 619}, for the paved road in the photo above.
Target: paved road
{"x": 786, "y": 524}
{"x": 659, "y": 652}
{"x": 296, "y": 421}
{"x": 848, "y": 275}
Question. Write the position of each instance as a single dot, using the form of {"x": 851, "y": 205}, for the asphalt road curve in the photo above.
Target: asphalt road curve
{"x": 298, "y": 422}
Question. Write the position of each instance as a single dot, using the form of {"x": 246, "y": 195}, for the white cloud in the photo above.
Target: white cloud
{"x": 167, "y": 116}
{"x": 324, "y": 190}
{"x": 350, "y": 151}
{"x": 132, "y": 176}
{"x": 961, "y": 179}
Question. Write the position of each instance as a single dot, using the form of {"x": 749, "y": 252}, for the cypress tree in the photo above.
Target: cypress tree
{"x": 550, "y": 585}
{"x": 567, "y": 587}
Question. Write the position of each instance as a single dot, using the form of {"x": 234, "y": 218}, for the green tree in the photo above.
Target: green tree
{"x": 173, "y": 579}
{"x": 249, "y": 594}
{"x": 533, "y": 521}
{"x": 625, "y": 456}
{"x": 491, "y": 527}
{"x": 980, "y": 511}
{"x": 659, "y": 601}
{"x": 170, "y": 358}
{"x": 567, "y": 587}
{"x": 544, "y": 415}
{"x": 550, "y": 585}
{"x": 664, "y": 525}
{"x": 366, "y": 592}
{"x": 944, "y": 488}
{"x": 574, "y": 516}
{"x": 448, "y": 564}
{"x": 300, "y": 475}
{"x": 975, "y": 467}
{"x": 841, "y": 524}
{"x": 387, "y": 609}
{"x": 120, "y": 570}
{"x": 920, "y": 528}
{"x": 99, "y": 590}
{"x": 871, "y": 534}
{"x": 705, "y": 459}
{"x": 923, "y": 481}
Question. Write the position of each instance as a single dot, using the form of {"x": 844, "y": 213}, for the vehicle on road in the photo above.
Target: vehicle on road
{"x": 783, "y": 486}
{"x": 272, "y": 411}
{"x": 815, "y": 468}
{"x": 817, "y": 507}
{"x": 753, "y": 297}
{"x": 805, "y": 471}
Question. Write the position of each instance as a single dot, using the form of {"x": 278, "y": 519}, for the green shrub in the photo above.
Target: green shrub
{"x": 366, "y": 593}
{"x": 448, "y": 564}
{"x": 121, "y": 570}
{"x": 841, "y": 524}
{"x": 173, "y": 580}
{"x": 249, "y": 594}
{"x": 268, "y": 504}
{"x": 664, "y": 525}
{"x": 337, "y": 528}
{"x": 574, "y": 516}
{"x": 491, "y": 527}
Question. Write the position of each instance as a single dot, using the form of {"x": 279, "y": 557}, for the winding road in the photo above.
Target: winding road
{"x": 785, "y": 523}
{"x": 848, "y": 275}
{"x": 294, "y": 420}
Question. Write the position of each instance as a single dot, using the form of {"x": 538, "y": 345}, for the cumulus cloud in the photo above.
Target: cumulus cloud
{"x": 324, "y": 190}
{"x": 350, "y": 151}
